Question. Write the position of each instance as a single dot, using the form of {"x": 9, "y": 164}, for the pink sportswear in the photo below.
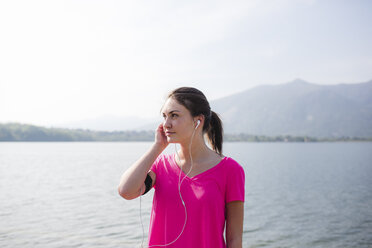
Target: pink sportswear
{"x": 205, "y": 196}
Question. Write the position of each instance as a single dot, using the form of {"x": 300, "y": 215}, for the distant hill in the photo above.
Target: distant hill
{"x": 24, "y": 132}
{"x": 299, "y": 108}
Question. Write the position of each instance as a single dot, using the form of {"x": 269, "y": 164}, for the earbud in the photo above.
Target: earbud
{"x": 197, "y": 124}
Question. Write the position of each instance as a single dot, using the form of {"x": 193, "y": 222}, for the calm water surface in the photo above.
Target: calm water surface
{"x": 297, "y": 194}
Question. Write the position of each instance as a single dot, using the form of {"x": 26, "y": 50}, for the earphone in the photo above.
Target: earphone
{"x": 197, "y": 124}
{"x": 179, "y": 191}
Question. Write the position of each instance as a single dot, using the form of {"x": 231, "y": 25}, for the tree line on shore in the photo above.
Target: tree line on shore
{"x": 24, "y": 132}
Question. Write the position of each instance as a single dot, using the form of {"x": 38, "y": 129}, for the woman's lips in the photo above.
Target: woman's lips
{"x": 169, "y": 133}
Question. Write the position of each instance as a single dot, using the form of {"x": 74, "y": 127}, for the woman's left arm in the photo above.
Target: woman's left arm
{"x": 234, "y": 224}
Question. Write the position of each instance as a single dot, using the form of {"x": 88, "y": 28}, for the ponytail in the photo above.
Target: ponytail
{"x": 215, "y": 133}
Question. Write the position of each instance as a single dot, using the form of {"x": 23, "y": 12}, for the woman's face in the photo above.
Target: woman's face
{"x": 178, "y": 123}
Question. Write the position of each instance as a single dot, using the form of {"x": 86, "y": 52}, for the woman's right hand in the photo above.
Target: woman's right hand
{"x": 132, "y": 181}
{"x": 160, "y": 138}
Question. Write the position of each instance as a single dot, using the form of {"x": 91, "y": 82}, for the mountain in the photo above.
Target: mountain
{"x": 299, "y": 108}
{"x": 15, "y": 132}
{"x": 26, "y": 132}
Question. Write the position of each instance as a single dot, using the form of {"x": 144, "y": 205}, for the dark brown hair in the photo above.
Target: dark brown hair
{"x": 196, "y": 102}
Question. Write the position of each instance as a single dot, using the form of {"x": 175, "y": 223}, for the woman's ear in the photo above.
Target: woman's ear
{"x": 198, "y": 120}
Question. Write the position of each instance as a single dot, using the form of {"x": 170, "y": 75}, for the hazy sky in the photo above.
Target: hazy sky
{"x": 62, "y": 61}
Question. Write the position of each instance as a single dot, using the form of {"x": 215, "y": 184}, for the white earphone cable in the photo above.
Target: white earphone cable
{"x": 179, "y": 191}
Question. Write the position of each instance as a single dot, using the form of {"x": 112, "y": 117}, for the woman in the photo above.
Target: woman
{"x": 197, "y": 190}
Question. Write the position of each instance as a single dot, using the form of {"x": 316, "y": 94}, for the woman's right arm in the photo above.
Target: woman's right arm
{"x": 132, "y": 181}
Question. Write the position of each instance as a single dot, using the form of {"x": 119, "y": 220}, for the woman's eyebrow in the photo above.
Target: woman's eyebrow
{"x": 170, "y": 112}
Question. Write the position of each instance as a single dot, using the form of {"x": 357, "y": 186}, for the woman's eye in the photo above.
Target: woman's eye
{"x": 171, "y": 115}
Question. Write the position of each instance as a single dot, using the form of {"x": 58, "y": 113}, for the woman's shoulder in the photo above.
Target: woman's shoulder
{"x": 164, "y": 156}
{"x": 230, "y": 160}
{"x": 232, "y": 164}
{"x": 165, "y": 160}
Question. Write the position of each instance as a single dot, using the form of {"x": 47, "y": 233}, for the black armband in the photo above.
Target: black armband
{"x": 148, "y": 184}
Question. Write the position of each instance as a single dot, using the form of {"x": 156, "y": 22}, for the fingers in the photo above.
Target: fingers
{"x": 160, "y": 129}
{"x": 160, "y": 134}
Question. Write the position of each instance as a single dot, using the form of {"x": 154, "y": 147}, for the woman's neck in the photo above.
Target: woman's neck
{"x": 199, "y": 150}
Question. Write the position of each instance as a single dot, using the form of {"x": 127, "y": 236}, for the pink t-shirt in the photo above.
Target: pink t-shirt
{"x": 205, "y": 196}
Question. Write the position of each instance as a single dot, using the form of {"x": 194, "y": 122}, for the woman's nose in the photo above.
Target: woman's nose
{"x": 166, "y": 123}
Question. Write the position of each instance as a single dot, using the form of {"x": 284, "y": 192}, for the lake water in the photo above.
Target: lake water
{"x": 297, "y": 194}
